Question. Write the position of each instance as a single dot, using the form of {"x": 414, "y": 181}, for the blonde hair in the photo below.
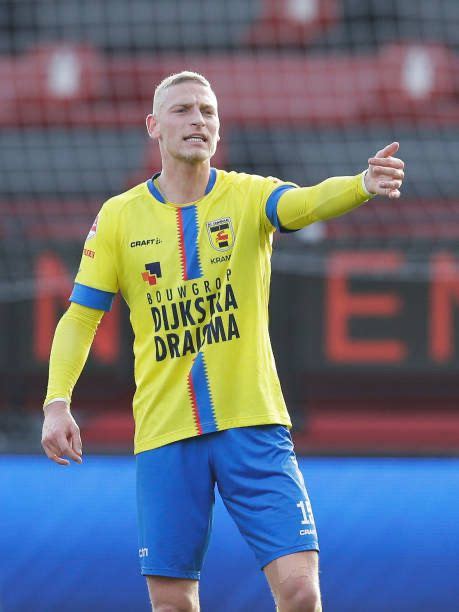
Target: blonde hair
{"x": 176, "y": 79}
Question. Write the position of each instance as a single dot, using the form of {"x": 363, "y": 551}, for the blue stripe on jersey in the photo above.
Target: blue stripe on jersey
{"x": 93, "y": 298}
{"x": 159, "y": 196}
{"x": 212, "y": 179}
{"x": 203, "y": 398}
{"x": 190, "y": 241}
{"x": 155, "y": 192}
{"x": 271, "y": 207}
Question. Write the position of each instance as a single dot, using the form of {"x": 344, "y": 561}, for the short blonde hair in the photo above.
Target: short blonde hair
{"x": 176, "y": 79}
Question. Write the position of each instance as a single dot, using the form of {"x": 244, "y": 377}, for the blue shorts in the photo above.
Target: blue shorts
{"x": 258, "y": 478}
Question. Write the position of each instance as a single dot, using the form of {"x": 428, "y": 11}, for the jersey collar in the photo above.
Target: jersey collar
{"x": 158, "y": 195}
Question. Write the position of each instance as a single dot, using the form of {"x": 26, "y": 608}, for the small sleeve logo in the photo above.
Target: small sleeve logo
{"x": 93, "y": 230}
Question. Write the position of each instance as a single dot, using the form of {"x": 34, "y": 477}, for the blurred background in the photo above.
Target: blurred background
{"x": 364, "y": 308}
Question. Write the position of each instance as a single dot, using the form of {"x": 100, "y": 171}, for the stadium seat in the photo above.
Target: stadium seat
{"x": 407, "y": 220}
{"x": 46, "y": 81}
{"x": 76, "y": 86}
{"x": 292, "y": 22}
{"x": 417, "y": 79}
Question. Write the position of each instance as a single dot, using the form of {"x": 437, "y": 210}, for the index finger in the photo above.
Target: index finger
{"x": 388, "y": 150}
{"x": 387, "y": 162}
{"x": 67, "y": 450}
{"x": 53, "y": 455}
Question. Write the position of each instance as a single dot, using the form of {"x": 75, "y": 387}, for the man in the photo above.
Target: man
{"x": 190, "y": 252}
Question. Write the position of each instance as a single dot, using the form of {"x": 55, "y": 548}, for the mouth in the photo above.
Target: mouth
{"x": 195, "y": 138}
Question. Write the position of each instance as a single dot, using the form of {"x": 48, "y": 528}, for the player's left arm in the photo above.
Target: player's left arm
{"x": 297, "y": 208}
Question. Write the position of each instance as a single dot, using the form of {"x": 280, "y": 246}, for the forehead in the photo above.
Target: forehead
{"x": 188, "y": 92}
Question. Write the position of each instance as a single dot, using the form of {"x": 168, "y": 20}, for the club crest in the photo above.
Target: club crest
{"x": 221, "y": 234}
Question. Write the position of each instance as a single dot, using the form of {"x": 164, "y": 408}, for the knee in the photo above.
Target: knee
{"x": 173, "y": 595}
{"x": 306, "y": 600}
{"x": 300, "y": 597}
{"x": 171, "y": 608}
{"x": 179, "y": 603}
{"x": 176, "y": 606}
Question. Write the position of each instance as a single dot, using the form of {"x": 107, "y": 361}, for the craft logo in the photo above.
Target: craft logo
{"x": 221, "y": 234}
{"x": 153, "y": 272}
{"x": 93, "y": 230}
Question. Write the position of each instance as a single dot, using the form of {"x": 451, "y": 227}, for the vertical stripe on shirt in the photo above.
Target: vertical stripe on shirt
{"x": 201, "y": 397}
{"x": 194, "y": 405}
{"x": 188, "y": 231}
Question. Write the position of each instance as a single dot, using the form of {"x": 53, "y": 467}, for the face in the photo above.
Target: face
{"x": 186, "y": 123}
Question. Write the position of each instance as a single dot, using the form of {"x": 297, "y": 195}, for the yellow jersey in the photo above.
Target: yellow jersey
{"x": 196, "y": 279}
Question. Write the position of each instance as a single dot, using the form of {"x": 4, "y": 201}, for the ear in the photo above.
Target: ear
{"x": 152, "y": 126}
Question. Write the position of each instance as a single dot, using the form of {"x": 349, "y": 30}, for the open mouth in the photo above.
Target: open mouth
{"x": 196, "y": 138}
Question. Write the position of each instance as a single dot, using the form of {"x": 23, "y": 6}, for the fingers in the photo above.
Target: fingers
{"x": 387, "y": 162}
{"x": 56, "y": 448}
{"x": 53, "y": 453}
{"x": 385, "y": 172}
{"x": 390, "y": 184}
{"x": 67, "y": 450}
{"x": 388, "y": 151}
{"x": 393, "y": 173}
{"x": 75, "y": 441}
{"x": 390, "y": 192}
{"x": 60, "y": 460}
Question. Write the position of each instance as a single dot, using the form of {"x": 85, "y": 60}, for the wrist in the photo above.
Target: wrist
{"x": 364, "y": 184}
{"x": 58, "y": 403}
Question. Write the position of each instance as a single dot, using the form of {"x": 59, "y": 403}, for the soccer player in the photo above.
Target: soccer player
{"x": 189, "y": 250}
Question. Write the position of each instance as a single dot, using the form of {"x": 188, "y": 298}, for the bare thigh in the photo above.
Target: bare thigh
{"x": 297, "y": 573}
{"x": 173, "y": 593}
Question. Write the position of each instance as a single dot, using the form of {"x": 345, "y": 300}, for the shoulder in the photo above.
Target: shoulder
{"x": 115, "y": 205}
{"x": 243, "y": 181}
{"x": 239, "y": 178}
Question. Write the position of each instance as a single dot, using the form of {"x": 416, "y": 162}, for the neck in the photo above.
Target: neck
{"x": 184, "y": 182}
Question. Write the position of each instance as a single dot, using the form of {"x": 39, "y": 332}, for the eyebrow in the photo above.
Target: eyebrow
{"x": 189, "y": 105}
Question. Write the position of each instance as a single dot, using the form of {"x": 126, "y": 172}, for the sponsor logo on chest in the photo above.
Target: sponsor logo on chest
{"x": 153, "y": 272}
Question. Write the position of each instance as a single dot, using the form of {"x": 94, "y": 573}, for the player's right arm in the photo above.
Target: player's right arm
{"x": 95, "y": 287}
{"x": 72, "y": 340}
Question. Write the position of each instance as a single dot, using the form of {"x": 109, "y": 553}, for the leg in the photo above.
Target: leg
{"x": 294, "y": 581}
{"x": 173, "y": 594}
{"x": 264, "y": 491}
{"x": 174, "y": 519}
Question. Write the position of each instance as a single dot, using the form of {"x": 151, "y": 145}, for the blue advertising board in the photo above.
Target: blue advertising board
{"x": 388, "y": 528}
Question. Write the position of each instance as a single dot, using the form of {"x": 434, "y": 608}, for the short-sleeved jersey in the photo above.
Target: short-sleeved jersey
{"x": 196, "y": 279}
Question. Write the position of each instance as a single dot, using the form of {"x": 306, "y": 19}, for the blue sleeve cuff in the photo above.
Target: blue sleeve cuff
{"x": 271, "y": 207}
{"x": 93, "y": 298}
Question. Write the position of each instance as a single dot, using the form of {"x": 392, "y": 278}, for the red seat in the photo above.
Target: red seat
{"x": 43, "y": 84}
{"x": 292, "y": 22}
{"x": 420, "y": 80}
{"x": 76, "y": 86}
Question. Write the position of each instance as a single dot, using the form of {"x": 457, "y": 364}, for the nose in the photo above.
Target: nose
{"x": 197, "y": 117}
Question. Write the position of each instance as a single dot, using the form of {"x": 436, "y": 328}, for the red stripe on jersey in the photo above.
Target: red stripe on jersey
{"x": 194, "y": 404}
{"x": 182, "y": 244}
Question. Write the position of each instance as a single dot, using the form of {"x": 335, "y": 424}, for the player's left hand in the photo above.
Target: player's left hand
{"x": 385, "y": 173}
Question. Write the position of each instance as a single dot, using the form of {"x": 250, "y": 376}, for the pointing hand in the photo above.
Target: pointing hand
{"x": 385, "y": 173}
